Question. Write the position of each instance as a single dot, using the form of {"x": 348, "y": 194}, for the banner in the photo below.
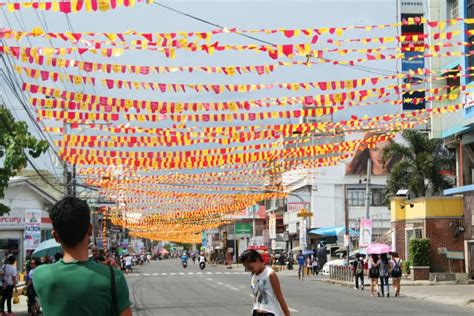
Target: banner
{"x": 272, "y": 226}
{"x": 32, "y": 229}
{"x": 365, "y": 232}
{"x": 303, "y": 243}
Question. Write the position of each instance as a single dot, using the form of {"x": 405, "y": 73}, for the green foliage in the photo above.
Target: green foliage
{"x": 421, "y": 165}
{"x": 406, "y": 266}
{"x": 420, "y": 252}
{"x": 14, "y": 141}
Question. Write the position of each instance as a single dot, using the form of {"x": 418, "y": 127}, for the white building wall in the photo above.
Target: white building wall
{"x": 20, "y": 197}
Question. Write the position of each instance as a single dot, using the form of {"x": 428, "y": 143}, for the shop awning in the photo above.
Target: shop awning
{"x": 329, "y": 231}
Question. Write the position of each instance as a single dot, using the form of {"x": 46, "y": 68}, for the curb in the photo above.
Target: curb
{"x": 422, "y": 283}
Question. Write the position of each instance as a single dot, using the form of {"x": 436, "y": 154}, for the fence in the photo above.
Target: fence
{"x": 340, "y": 273}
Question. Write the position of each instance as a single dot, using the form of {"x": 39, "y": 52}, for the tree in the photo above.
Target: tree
{"x": 421, "y": 167}
{"x": 14, "y": 141}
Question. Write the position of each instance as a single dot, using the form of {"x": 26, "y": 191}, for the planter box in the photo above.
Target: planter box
{"x": 419, "y": 273}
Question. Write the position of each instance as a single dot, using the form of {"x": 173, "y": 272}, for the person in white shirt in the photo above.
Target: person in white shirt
{"x": 268, "y": 297}
{"x": 9, "y": 283}
{"x": 128, "y": 263}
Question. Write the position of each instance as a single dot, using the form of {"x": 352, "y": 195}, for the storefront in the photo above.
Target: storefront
{"x": 26, "y": 201}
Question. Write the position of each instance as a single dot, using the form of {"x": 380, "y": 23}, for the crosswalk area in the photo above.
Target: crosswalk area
{"x": 160, "y": 274}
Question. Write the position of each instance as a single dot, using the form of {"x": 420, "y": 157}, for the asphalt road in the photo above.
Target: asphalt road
{"x": 165, "y": 288}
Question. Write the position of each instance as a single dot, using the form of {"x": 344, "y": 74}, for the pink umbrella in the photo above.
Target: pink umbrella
{"x": 378, "y": 249}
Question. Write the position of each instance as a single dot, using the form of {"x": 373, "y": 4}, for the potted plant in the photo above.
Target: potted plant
{"x": 420, "y": 257}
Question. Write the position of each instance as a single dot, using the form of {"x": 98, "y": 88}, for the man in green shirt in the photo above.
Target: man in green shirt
{"x": 76, "y": 285}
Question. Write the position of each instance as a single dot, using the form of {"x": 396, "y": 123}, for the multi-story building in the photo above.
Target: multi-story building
{"x": 457, "y": 128}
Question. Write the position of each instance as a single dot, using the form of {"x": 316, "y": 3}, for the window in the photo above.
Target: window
{"x": 377, "y": 197}
{"x": 453, "y": 80}
{"x": 356, "y": 197}
{"x": 452, "y": 9}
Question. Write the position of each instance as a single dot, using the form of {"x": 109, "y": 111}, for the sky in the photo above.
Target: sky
{"x": 231, "y": 14}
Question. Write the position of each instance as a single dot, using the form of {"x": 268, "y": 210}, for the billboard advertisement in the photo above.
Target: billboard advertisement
{"x": 358, "y": 164}
{"x": 413, "y": 48}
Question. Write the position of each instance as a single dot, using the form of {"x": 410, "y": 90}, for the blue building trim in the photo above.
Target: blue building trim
{"x": 458, "y": 190}
{"x": 454, "y": 130}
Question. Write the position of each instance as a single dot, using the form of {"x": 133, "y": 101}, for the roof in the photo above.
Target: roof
{"x": 17, "y": 181}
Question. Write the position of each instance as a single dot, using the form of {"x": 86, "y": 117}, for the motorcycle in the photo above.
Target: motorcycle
{"x": 202, "y": 265}
{"x": 184, "y": 264}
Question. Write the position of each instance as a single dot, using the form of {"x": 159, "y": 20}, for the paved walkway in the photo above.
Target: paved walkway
{"x": 447, "y": 292}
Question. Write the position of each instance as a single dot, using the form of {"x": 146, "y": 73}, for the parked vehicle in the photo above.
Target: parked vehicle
{"x": 336, "y": 262}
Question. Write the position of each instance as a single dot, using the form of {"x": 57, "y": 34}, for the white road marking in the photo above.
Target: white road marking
{"x": 155, "y": 274}
{"x": 208, "y": 272}
{"x": 218, "y": 272}
{"x": 164, "y": 273}
{"x": 172, "y": 273}
{"x": 209, "y": 279}
{"x": 220, "y": 283}
{"x": 146, "y": 274}
{"x": 181, "y": 273}
{"x": 227, "y": 272}
{"x": 199, "y": 273}
{"x": 293, "y": 310}
{"x": 190, "y": 272}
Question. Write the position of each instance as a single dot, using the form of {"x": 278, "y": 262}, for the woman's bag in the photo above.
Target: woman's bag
{"x": 16, "y": 297}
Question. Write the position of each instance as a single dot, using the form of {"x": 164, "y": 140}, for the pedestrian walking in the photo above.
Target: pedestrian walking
{"x": 309, "y": 265}
{"x": 301, "y": 261}
{"x": 76, "y": 285}
{"x": 9, "y": 283}
{"x": 33, "y": 307}
{"x": 374, "y": 263}
{"x": 358, "y": 268}
{"x": 315, "y": 265}
{"x": 281, "y": 261}
{"x": 384, "y": 272}
{"x": 397, "y": 268}
{"x": 268, "y": 297}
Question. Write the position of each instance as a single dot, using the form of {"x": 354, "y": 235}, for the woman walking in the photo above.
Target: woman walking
{"x": 384, "y": 272}
{"x": 374, "y": 264}
{"x": 9, "y": 283}
{"x": 309, "y": 265}
{"x": 397, "y": 268}
{"x": 268, "y": 297}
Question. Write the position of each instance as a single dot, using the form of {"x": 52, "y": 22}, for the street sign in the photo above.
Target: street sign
{"x": 304, "y": 213}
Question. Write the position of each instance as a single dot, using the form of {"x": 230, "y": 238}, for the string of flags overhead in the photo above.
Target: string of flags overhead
{"x": 176, "y": 168}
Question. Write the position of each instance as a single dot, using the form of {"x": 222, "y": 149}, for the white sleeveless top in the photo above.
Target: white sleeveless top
{"x": 264, "y": 297}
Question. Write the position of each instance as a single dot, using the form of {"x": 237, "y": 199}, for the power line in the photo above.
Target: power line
{"x": 362, "y": 68}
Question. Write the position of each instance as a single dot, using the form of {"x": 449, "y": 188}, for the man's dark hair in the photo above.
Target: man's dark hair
{"x": 70, "y": 217}
{"x": 250, "y": 255}
{"x": 11, "y": 260}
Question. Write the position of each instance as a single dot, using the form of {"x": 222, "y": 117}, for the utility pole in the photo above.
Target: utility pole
{"x": 346, "y": 223}
{"x": 367, "y": 189}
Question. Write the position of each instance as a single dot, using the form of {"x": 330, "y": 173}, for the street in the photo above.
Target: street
{"x": 165, "y": 288}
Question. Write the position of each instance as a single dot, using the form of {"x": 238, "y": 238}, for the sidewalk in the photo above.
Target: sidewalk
{"x": 444, "y": 292}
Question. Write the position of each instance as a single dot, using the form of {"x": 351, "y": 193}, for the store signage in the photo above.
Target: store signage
{"x": 243, "y": 228}
{"x": 413, "y": 48}
{"x": 32, "y": 229}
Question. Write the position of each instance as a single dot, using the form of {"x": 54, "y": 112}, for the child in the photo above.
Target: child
{"x": 265, "y": 286}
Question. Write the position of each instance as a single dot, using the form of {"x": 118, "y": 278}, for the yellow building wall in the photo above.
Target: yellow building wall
{"x": 432, "y": 207}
